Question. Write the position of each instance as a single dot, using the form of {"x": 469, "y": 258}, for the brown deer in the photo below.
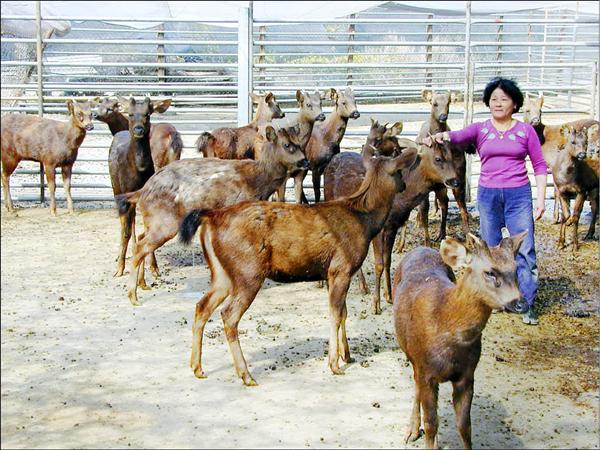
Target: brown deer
{"x": 439, "y": 321}
{"x": 550, "y": 136}
{"x": 310, "y": 112}
{"x": 206, "y": 183}
{"x": 436, "y": 123}
{"x": 50, "y": 142}
{"x": 130, "y": 163}
{"x": 436, "y": 166}
{"x": 246, "y": 243}
{"x": 593, "y": 149}
{"x": 345, "y": 173}
{"x": 165, "y": 141}
{"x": 238, "y": 143}
{"x": 576, "y": 175}
{"x": 326, "y": 137}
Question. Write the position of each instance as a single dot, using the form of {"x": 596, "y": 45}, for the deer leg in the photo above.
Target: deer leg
{"x": 565, "y": 216}
{"x": 298, "y": 189}
{"x": 362, "y": 282}
{"x": 428, "y": 391}
{"x": 339, "y": 282}
{"x": 579, "y": 200}
{"x": 316, "y": 178}
{"x": 388, "y": 244}
{"x": 66, "y": 177}
{"x": 126, "y": 226}
{"x": 400, "y": 246}
{"x": 51, "y": 177}
{"x": 232, "y": 312}
{"x": 378, "y": 262}
{"x": 462, "y": 396}
{"x": 343, "y": 338}
{"x": 556, "y": 212}
{"x": 441, "y": 196}
{"x": 424, "y": 219}
{"x": 414, "y": 428}
{"x": 7, "y": 170}
{"x": 460, "y": 196}
{"x": 280, "y": 193}
{"x": 594, "y": 206}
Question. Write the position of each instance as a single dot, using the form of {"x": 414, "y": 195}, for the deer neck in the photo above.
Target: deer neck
{"x": 436, "y": 126}
{"x": 337, "y": 124}
{"x": 539, "y": 130}
{"x": 304, "y": 128}
{"x": 117, "y": 122}
{"x": 270, "y": 173}
{"x": 75, "y": 134}
{"x": 262, "y": 117}
{"x": 465, "y": 311}
{"x": 139, "y": 151}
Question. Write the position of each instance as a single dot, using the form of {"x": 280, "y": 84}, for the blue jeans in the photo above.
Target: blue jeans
{"x": 511, "y": 208}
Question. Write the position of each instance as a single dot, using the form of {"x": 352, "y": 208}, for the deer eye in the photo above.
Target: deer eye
{"x": 438, "y": 159}
{"x": 491, "y": 277}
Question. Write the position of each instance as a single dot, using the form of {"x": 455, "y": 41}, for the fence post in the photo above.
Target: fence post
{"x": 244, "y": 66}
{"x": 499, "y": 47}
{"x": 594, "y": 93}
{"x": 160, "y": 50}
{"x": 468, "y": 98}
{"x": 429, "y": 51}
{"x": 40, "y": 70}
{"x": 574, "y": 55}
{"x": 351, "y": 31}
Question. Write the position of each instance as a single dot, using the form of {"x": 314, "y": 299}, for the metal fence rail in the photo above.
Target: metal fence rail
{"x": 209, "y": 67}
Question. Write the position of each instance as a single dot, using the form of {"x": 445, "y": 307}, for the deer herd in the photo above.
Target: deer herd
{"x": 368, "y": 197}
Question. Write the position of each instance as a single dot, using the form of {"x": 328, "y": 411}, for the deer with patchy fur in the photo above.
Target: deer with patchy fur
{"x": 326, "y": 136}
{"x": 50, "y": 142}
{"x": 238, "y": 143}
{"x": 246, "y": 243}
{"x": 207, "y": 183}
{"x": 439, "y": 321}
{"x": 130, "y": 163}
{"x": 165, "y": 140}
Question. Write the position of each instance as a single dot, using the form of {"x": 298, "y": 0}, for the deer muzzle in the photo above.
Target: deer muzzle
{"x": 452, "y": 183}
{"x": 443, "y": 117}
{"x": 581, "y": 156}
{"x": 320, "y": 117}
{"x": 519, "y": 306}
{"x": 355, "y": 115}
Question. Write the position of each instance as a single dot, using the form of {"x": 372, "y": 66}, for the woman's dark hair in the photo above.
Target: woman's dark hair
{"x": 508, "y": 86}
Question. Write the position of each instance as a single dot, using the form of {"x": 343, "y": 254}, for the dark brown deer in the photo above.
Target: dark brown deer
{"x": 238, "y": 143}
{"x": 575, "y": 175}
{"x": 249, "y": 242}
{"x": 346, "y": 171}
{"x": 206, "y": 183}
{"x": 310, "y": 112}
{"x": 165, "y": 140}
{"x": 50, "y": 142}
{"x": 439, "y": 321}
{"x": 436, "y": 166}
{"x": 326, "y": 136}
{"x": 436, "y": 123}
{"x": 130, "y": 163}
{"x": 550, "y": 136}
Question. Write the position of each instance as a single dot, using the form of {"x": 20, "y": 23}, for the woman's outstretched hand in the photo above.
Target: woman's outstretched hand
{"x": 439, "y": 138}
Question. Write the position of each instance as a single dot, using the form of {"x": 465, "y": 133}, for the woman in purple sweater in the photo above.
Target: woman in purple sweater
{"x": 504, "y": 193}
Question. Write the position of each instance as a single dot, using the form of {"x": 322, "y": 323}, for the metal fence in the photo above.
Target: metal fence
{"x": 387, "y": 54}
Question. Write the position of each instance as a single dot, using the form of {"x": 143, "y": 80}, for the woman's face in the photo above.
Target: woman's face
{"x": 501, "y": 105}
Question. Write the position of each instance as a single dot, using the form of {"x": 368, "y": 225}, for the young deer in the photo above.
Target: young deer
{"x": 246, "y": 243}
{"x": 238, "y": 143}
{"x": 206, "y": 183}
{"x": 576, "y": 175}
{"x": 310, "y": 112}
{"x": 344, "y": 175}
{"x": 439, "y": 321}
{"x": 326, "y": 137}
{"x": 50, "y": 142}
{"x": 130, "y": 162}
{"x": 437, "y": 122}
{"x": 551, "y": 137}
{"x": 165, "y": 140}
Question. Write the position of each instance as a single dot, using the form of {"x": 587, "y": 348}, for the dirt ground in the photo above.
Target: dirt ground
{"x": 81, "y": 367}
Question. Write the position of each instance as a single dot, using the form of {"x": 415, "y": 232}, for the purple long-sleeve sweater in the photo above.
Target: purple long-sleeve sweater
{"x": 503, "y": 153}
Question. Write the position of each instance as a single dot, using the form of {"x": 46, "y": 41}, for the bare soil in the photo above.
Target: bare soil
{"x": 82, "y": 368}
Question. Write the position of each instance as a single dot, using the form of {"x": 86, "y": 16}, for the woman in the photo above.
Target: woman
{"x": 504, "y": 192}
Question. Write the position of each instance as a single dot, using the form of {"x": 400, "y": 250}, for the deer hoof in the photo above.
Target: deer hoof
{"x": 119, "y": 272}
{"x": 133, "y": 299}
{"x": 377, "y": 310}
{"x": 589, "y": 237}
{"x": 199, "y": 373}
{"x": 249, "y": 381}
{"x": 144, "y": 286}
{"x": 337, "y": 371}
{"x": 413, "y": 435}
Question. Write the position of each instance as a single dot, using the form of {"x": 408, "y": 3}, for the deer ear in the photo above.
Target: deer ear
{"x": 268, "y": 97}
{"x": 299, "y": 96}
{"x": 541, "y": 100}
{"x": 426, "y": 94}
{"x": 255, "y": 97}
{"x": 514, "y": 242}
{"x": 409, "y": 159}
{"x": 333, "y": 94}
{"x": 456, "y": 97}
{"x": 69, "y": 106}
{"x": 271, "y": 134}
{"x": 454, "y": 253}
{"x": 564, "y": 130}
{"x": 162, "y": 105}
{"x": 95, "y": 101}
{"x": 475, "y": 243}
{"x": 395, "y": 130}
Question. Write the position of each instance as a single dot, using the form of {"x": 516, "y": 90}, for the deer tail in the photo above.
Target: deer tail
{"x": 203, "y": 144}
{"x": 126, "y": 201}
{"x": 190, "y": 225}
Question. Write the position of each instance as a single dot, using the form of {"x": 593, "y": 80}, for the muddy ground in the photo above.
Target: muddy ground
{"x": 81, "y": 367}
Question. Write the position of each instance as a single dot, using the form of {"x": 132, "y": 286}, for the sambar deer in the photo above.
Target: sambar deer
{"x": 576, "y": 175}
{"x": 238, "y": 143}
{"x": 50, "y": 142}
{"x": 439, "y": 321}
{"x": 165, "y": 141}
{"x": 246, "y": 243}
{"x": 326, "y": 136}
{"x": 130, "y": 162}
{"x": 207, "y": 183}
